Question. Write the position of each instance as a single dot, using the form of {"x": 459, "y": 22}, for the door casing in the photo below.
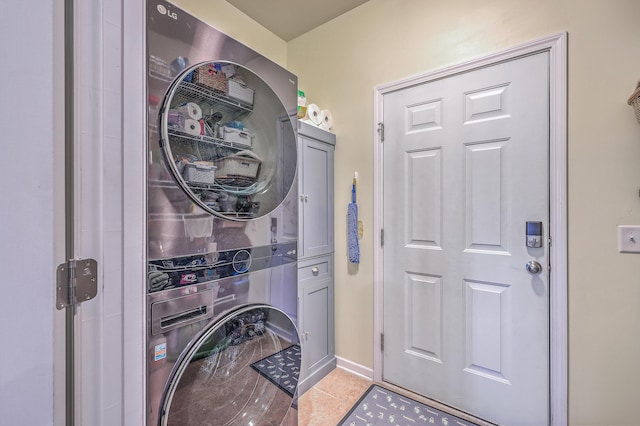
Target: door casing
{"x": 556, "y": 45}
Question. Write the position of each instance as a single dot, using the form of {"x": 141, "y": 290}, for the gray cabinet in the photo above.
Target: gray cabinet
{"x": 315, "y": 254}
{"x": 315, "y": 321}
{"x": 315, "y": 183}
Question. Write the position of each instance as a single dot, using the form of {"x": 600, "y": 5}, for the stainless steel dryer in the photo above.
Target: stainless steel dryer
{"x": 223, "y": 348}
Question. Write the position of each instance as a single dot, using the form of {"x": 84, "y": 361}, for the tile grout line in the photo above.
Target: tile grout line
{"x": 327, "y": 393}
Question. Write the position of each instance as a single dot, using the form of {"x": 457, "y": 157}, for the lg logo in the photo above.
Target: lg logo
{"x": 163, "y": 11}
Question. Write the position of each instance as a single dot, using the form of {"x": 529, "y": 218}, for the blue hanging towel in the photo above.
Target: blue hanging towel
{"x": 352, "y": 228}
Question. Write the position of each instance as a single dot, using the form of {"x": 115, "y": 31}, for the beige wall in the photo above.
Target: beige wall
{"x": 340, "y": 63}
{"x": 226, "y": 18}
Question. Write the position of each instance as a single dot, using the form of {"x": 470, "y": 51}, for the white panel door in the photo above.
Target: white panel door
{"x": 465, "y": 167}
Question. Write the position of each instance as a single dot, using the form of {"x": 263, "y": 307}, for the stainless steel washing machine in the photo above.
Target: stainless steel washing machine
{"x": 223, "y": 348}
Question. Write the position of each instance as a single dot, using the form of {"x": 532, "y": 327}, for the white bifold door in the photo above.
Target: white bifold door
{"x": 466, "y": 301}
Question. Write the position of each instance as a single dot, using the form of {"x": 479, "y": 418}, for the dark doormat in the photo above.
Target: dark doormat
{"x": 379, "y": 406}
{"x": 282, "y": 368}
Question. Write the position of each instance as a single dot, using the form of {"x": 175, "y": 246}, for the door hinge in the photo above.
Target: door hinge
{"x": 76, "y": 282}
{"x": 382, "y": 341}
{"x": 382, "y": 237}
{"x": 381, "y": 131}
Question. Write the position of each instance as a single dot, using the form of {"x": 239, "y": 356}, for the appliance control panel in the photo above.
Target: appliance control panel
{"x": 186, "y": 270}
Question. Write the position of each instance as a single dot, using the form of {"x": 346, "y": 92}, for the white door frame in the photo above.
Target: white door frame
{"x": 556, "y": 45}
{"x": 110, "y": 209}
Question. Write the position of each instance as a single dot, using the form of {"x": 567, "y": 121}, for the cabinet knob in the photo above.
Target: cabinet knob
{"x": 315, "y": 270}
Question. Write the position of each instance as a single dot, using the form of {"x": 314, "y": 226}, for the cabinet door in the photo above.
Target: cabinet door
{"x": 316, "y": 197}
{"x": 316, "y": 315}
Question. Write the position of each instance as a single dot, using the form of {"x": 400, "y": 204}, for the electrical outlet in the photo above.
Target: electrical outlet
{"x": 629, "y": 238}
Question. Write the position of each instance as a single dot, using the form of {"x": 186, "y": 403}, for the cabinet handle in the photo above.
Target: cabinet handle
{"x": 315, "y": 270}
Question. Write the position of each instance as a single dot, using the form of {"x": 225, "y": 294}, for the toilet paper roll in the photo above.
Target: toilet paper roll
{"x": 327, "y": 119}
{"x": 191, "y": 110}
{"x": 314, "y": 114}
{"x": 193, "y": 127}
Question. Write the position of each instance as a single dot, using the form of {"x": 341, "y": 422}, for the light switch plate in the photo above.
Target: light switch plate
{"x": 629, "y": 238}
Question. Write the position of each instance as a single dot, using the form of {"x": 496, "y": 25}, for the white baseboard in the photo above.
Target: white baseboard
{"x": 357, "y": 369}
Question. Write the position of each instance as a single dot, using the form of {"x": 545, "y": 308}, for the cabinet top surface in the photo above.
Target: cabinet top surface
{"x": 311, "y": 131}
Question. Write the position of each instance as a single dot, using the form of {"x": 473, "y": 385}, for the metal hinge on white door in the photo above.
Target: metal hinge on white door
{"x": 381, "y": 131}
{"x": 382, "y": 341}
{"x": 382, "y": 237}
{"x": 76, "y": 282}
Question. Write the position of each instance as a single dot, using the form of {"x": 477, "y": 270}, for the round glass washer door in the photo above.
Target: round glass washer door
{"x": 242, "y": 370}
{"x": 228, "y": 141}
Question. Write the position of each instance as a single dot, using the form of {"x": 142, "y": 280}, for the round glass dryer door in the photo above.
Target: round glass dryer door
{"x": 228, "y": 141}
{"x": 242, "y": 370}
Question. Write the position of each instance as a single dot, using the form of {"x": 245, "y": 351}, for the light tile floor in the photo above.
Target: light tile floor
{"x": 331, "y": 398}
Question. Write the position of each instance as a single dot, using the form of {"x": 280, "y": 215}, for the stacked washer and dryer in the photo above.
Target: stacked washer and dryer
{"x": 223, "y": 348}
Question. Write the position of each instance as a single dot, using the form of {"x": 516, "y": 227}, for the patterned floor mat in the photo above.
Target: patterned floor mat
{"x": 282, "y": 368}
{"x": 380, "y": 406}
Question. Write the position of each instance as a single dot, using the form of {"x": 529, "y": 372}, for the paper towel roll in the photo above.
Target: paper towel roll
{"x": 314, "y": 114}
{"x": 327, "y": 119}
{"x": 191, "y": 110}
{"x": 193, "y": 127}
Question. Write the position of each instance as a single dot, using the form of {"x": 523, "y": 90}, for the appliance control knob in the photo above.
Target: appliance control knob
{"x": 241, "y": 261}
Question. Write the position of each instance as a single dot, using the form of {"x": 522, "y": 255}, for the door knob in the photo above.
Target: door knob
{"x": 533, "y": 267}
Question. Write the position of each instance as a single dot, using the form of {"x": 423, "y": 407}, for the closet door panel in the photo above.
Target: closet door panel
{"x": 316, "y": 198}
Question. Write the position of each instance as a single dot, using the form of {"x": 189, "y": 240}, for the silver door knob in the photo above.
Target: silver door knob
{"x": 533, "y": 267}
